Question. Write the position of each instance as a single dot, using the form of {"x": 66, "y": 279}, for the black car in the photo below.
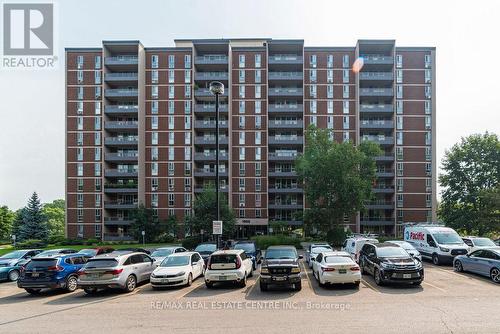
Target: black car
{"x": 388, "y": 262}
{"x": 251, "y": 250}
{"x": 206, "y": 249}
{"x": 281, "y": 267}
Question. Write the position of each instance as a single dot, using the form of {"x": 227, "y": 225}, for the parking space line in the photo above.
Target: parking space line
{"x": 185, "y": 292}
{"x": 435, "y": 287}
{"x": 307, "y": 275}
{"x": 252, "y": 287}
{"x": 368, "y": 285}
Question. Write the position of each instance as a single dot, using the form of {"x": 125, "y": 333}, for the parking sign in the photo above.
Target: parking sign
{"x": 217, "y": 227}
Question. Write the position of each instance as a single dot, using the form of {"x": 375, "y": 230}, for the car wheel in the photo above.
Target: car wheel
{"x": 243, "y": 282}
{"x": 251, "y": 273}
{"x": 209, "y": 285}
{"x": 356, "y": 284}
{"x": 33, "y": 291}
{"x": 263, "y": 286}
{"x": 495, "y": 275}
{"x": 90, "y": 291}
{"x": 190, "y": 280}
{"x": 458, "y": 266}
{"x": 377, "y": 277}
{"x": 435, "y": 259}
{"x": 298, "y": 286}
{"x": 362, "y": 266}
{"x": 254, "y": 266}
{"x": 131, "y": 283}
{"x": 14, "y": 275}
{"x": 71, "y": 284}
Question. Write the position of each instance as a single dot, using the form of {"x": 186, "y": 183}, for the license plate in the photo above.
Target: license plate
{"x": 35, "y": 274}
{"x": 406, "y": 275}
{"x": 279, "y": 278}
{"x": 222, "y": 278}
{"x": 342, "y": 271}
{"x": 164, "y": 280}
{"x": 93, "y": 275}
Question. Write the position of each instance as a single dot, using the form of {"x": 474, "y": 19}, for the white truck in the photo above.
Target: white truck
{"x": 435, "y": 242}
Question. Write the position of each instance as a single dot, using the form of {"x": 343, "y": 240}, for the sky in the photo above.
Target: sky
{"x": 463, "y": 32}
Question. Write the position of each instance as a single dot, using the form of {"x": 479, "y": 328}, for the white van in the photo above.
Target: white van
{"x": 435, "y": 242}
{"x": 353, "y": 245}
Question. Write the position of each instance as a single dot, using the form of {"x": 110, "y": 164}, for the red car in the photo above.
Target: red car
{"x": 91, "y": 252}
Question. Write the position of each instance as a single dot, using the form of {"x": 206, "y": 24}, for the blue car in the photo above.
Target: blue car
{"x": 57, "y": 272}
{"x": 251, "y": 250}
{"x": 484, "y": 262}
{"x": 11, "y": 263}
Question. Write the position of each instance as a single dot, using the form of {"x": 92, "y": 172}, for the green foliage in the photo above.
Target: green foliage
{"x": 7, "y": 218}
{"x": 31, "y": 243}
{"x": 204, "y": 213}
{"x": 164, "y": 238}
{"x": 337, "y": 177}
{"x": 264, "y": 241}
{"x": 470, "y": 178}
{"x": 91, "y": 242}
{"x": 54, "y": 212}
{"x": 34, "y": 222}
{"x": 191, "y": 242}
{"x": 279, "y": 227}
{"x": 144, "y": 220}
{"x": 337, "y": 235}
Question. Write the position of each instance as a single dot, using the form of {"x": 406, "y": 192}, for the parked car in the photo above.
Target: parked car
{"x": 407, "y": 247}
{"x": 160, "y": 254}
{"x": 281, "y": 267}
{"x": 115, "y": 270}
{"x": 390, "y": 263}
{"x": 11, "y": 263}
{"x": 206, "y": 249}
{"x": 354, "y": 244}
{"x": 56, "y": 252}
{"x": 484, "y": 262}
{"x": 497, "y": 241}
{"x": 91, "y": 252}
{"x": 178, "y": 269}
{"x": 335, "y": 268}
{"x": 53, "y": 272}
{"x": 228, "y": 266}
{"x": 435, "y": 242}
{"x": 476, "y": 243}
{"x": 251, "y": 249}
{"x": 314, "y": 249}
{"x": 133, "y": 250}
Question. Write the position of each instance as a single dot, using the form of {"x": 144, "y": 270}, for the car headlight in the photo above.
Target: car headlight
{"x": 264, "y": 271}
{"x": 181, "y": 273}
{"x": 386, "y": 265}
{"x": 444, "y": 249}
{"x": 153, "y": 275}
{"x": 295, "y": 270}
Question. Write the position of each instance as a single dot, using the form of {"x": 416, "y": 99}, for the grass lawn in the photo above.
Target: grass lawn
{"x": 8, "y": 249}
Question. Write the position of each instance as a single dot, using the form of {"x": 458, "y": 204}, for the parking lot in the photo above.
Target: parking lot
{"x": 446, "y": 302}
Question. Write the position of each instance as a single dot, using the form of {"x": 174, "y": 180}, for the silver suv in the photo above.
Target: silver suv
{"x": 115, "y": 270}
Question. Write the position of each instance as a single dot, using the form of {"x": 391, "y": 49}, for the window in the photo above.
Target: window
{"x": 187, "y": 184}
{"x": 97, "y": 123}
{"x": 329, "y": 122}
{"x": 187, "y": 200}
{"x": 187, "y": 91}
{"x": 79, "y": 154}
{"x": 314, "y": 120}
{"x": 313, "y": 61}
{"x": 171, "y": 107}
{"x": 97, "y": 62}
{"x": 241, "y": 200}
{"x": 241, "y": 184}
{"x": 345, "y": 61}
{"x": 187, "y": 122}
{"x": 79, "y": 76}
{"x": 241, "y": 61}
{"x": 171, "y": 76}
{"x": 399, "y": 91}
{"x": 242, "y": 138}
{"x": 258, "y": 76}
{"x": 79, "y": 107}
{"x": 428, "y": 200}
{"x": 154, "y": 107}
{"x": 187, "y": 138}
{"x": 97, "y": 230}
{"x": 258, "y": 169}
{"x": 258, "y": 122}
{"x": 171, "y": 199}
{"x": 345, "y": 136}
{"x": 187, "y": 107}
{"x": 428, "y": 61}
{"x": 154, "y": 169}
{"x": 154, "y": 122}
{"x": 171, "y": 169}
{"x": 171, "y": 91}
{"x": 345, "y": 76}
{"x": 313, "y": 106}
{"x": 258, "y": 91}
{"x": 399, "y": 200}
{"x": 258, "y": 213}
{"x": 79, "y": 138}
{"x": 98, "y": 92}
{"x": 97, "y": 169}
{"x": 399, "y": 185}
{"x": 428, "y": 138}
{"x": 154, "y": 153}
{"x": 242, "y": 169}
{"x": 313, "y": 75}
{"x": 171, "y": 184}
{"x": 329, "y": 107}
{"x": 399, "y": 76}
{"x": 258, "y": 152}
{"x": 257, "y": 60}
{"x": 329, "y": 91}
{"x": 399, "y": 138}
{"x": 79, "y": 184}
{"x": 345, "y": 107}
{"x": 79, "y": 200}
{"x": 171, "y": 122}
{"x": 79, "y": 62}
{"x": 154, "y": 92}
{"x": 79, "y": 93}
{"x": 154, "y": 138}
{"x": 399, "y": 122}
{"x": 329, "y": 61}
{"x": 241, "y": 108}
{"x": 79, "y": 123}
{"x": 97, "y": 107}
{"x": 187, "y": 76}
{"x": 242, "y": 153}
{"x": 399, "y": 168}
{"x": 187, "y": 169}
{"x": 428, "y": 185}
{"x": 241, "y": 122}
{"x": 241, "y": 76}
{"x": 428, "y": 153}
{"x": 241, "y": 213}
{"x": 428, "y": 107}
{"x": 187, "y": 61}
{"x": 345, "y": 91}
{"x": 428, "y": 93}
{"x": 154, "y": 200}
{"x": 345, "y": 123}
{"x": 399, "y": 106}
{"x": 427, "y": 122}
{"x": 258, "y": 185}
{"x": 154, "y": 61}
{"x": 171, "y": 61}
{"x": 313, "y": 89}
{"x": 258, "y": 200}
{"x": 399, "y": 153}
{"x": 97, "y": 153}
{"x": 399, "y": 61}
{"x": 242, "y": 92}
{"x": 428, "y": 168}
{"x": 258, "y": 138}
{"x": 329, "y": 76}
{"x": 97, "y": 77}
{"x": 258, "y": 106}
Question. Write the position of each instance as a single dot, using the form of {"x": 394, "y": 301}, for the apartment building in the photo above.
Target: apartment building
{"x": 140, "y": 129}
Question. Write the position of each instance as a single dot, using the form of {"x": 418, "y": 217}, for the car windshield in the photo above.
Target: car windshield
{"x": 162, "y": 252}
{"x": 405, "y": 245}
{"x": 175, "y": 261}
{"x": 338, "y": 259}
{"x": 91, "y": 252}
{"x": 223, "y": 258}
{"x": 13, "y": 255}
{"x": 448, "y": 238}
{"x": 48, "y": 253}
{"x": 321, "y": 249}
{"x": 484, "y": 242}
{"x": 391, "y": 252}
{"x": 101, "y": 263}
{"x": 206, "y": 248}
{"x": 280, "y": 254}
{"x": 41, "y": 263}
{"x": 247, "y": 247}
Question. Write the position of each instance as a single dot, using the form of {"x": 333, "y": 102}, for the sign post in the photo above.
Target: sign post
{"x": 143, "y": 239}
{"x": 14, "y": 240}
{"x": 217, "y": 230}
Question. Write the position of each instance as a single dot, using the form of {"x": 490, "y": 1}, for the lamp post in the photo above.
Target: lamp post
{"x": 217, "y": 88}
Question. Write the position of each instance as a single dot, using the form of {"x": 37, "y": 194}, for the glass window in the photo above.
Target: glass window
{"x": 257, "y": 60}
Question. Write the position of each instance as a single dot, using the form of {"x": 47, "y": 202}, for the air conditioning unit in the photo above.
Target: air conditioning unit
{"x": 242, "y": 188}
{"x": 242, "y": 205}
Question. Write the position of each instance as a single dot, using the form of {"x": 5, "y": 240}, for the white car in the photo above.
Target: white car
{"x": 228, "y": 266}
{"x": 336, "y": 268}
{"x": 353, "y": 245}
{"x": 178, "y": 269}
{"x": 476, "y": 243}
{"x": 314, "y": 249}
{"x": 161, "y": 253}
{"x": 407, "y": 247}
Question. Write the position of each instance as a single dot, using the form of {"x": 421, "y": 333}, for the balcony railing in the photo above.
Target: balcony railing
{"x": 291, "y": 91}
{"x": 117, "y": 221}
{"x": 383, "y": 189}
{"x": 120, "y": 173}
{"x": 286, "y": 140}
{"x": 123, "y": 125}
{"x": 209, "y": 108}
{"x": 286, "y": 108}
{"x": 385, "y": 157}
{"x": 121, "y": 92}
{"x": 377, "y": 124}
{"x": 121, "y": 156}
{"x": 211, "y": 76}
{"x": 385, "y": 173}
{"x": 211, "y": 59}
{"x": 286, "y": 124}
{"x": 376, "y": 76}
{"x": 210, "y": 140}
{"x": 276, "y": 188}
{"x": 121, "y": 60}
{"x": 121, "y": 141}
{"x": 381, "y": 140}
{"x": 208, "y": 172}
{"x": 120, "y": 204}
{"x": 285, "y": 76}
{"x": 285, "y": 59}
{"x": 376, "y": 92}
{"x": 209, "y": 156}
{"x": 377, "y": 59}
{"x": 121, "y": 76}
{"x": 205, "y": 92}
{"x": 282, "y": 155}
{"x": 376, "y": 108}
{"x": 209, "y": 124}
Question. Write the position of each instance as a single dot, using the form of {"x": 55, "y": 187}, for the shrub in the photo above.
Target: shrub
{"x": 191, "y": 242}
{"x": 31, "y": 243}
{"x": 164, "y": 238}
{"x": 71, "y": 242}
{"x": 55, "y": 239}
{"x": 336, "y": 236}
{"x": 91, "y": 242}
{"x": 264, "y": 241}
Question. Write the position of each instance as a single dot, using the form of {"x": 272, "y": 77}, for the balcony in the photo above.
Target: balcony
{"x": 201, "y": 156}
{"x": 121, "y": 205}
{"x": 286, "y": 108}
{"x": 122, "y": 61}
{"x": 379, "y": 205}
{"x": 117, "y": 188}
{"x": 377, "y": 60}
{"x": 121, "y": 157}
{"x": 278, "y": 173}
{"x": 121, "y": 77}
{"x": 211, "y": 76}
{"x": 209, "y": 108}
{"x": 121, "y": 141}
{"x": 289, "y": 221}
{"x": 211, "y": 60}
{"x": 385, "y": 173}
{"x": 288, "y": 190}
{"x": 286, "y": 140}
{"x": 201, "y": 188}
{"x": 290, "y": 91}
{"x": 116, "y": 236}
{"x": 203, "y": 172}
{"x": 121, "y": 93}
{"x": 285, "y": 205}
{"x": 210, "y": 140}
{"x": 286, "y": 124}
{"x": 376, "y": 108}
{"x": 121, "y": 125}
{"x": 376, "y": 76}
{"x": 376, "y": 92}
{"x": 383, "y": 190}
{"x": 282, "y": 156}
{"x": 381, "y": 140}
{"x": 387, "y": 157}
{"x": 286, "y": 76}
{"x": 209, "y": 124}
{"x": 120, "y": 173}
{"x": 205, "y": 92}
{"x": 377, "y": 124}
{"x": 116, "y": 221}
{"x": 285, "y": 60}
{"x": 376, "y": 221}
{"x": 121, "y": 110}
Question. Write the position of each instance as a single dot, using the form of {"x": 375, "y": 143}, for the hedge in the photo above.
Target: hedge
{"x": 264, "y": 241}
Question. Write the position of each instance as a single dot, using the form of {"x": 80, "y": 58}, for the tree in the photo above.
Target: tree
{"x": 7, "y": 218}
{"x": 18, "y": 222}
{"x": 34, "y": 224}
{"x": 204, "y": 212}
{"x": 337, "y": 178}
{"x": 54, "y": 212}
{"x": 172, "y": 226}
{"x": 144, "y": 220}
{"x": 471, "y": 172}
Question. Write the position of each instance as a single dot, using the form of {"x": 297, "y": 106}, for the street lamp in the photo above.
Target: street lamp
{"x": 217, "y": 88}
